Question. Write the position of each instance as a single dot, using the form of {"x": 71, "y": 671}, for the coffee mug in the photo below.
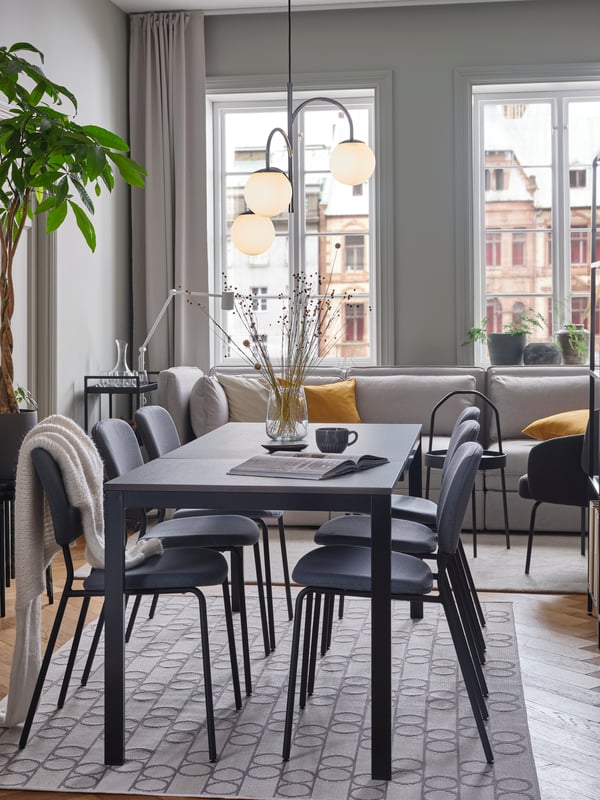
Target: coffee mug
{"x": 334, "y": 440}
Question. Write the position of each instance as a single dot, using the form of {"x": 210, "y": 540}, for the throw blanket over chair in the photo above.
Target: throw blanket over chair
{"x": 35, "y": 544}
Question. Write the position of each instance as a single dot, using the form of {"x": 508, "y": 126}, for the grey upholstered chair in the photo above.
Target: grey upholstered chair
{"x": 159, "y": 435}
{"x": 120, "y": 451}
{"x": 176, "y": 570}
{"x": 336, "y": 569}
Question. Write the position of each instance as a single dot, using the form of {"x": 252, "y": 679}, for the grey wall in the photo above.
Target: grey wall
{"x": 85, "y": 48}
{"x": 422, "y": 47}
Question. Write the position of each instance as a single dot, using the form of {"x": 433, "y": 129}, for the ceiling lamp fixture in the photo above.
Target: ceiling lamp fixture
{"x": 269, "y": 191}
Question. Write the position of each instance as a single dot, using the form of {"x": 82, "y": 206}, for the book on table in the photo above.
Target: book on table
{"x": 309, "y": 466}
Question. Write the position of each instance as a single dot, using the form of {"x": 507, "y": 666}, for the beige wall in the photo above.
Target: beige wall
{"x": 422, "y": 47}
{"x": 85, "y": 47}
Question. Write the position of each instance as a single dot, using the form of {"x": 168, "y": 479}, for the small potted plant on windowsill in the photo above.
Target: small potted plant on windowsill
{"x": 507, "y": 347}
{"x": 574, "y": 342}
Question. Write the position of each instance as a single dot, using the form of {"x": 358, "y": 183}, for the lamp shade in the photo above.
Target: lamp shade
{"x": 268, "y": 192}
{"x": 352, "y": 162}
{"x": 252, "y": 234}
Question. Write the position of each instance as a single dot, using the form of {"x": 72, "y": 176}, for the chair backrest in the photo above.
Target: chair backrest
{"x": 467, "y": 431}
{"x": 66, "y": 518}
{"x": 157, "y": 430}
{"x": 461, "y": 470}
{"x": 118, "y": 447}
{"x": 470, "y": 412}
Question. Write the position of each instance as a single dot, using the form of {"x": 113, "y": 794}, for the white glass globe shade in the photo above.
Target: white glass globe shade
{"x": 268, "y": 192}
{"x": 252, "y": 234}
{"x": 352, "y": 162}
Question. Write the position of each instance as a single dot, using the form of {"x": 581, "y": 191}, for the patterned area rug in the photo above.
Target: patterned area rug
{"x": 437, "y": 752}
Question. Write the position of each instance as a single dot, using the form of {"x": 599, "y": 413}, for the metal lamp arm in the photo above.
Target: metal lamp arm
{"x": 227, "y": 301}
{"x": 331, "y": 100}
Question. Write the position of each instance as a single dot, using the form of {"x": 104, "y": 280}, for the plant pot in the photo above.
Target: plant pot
{"x": 13, "y": 429}
{"x": 574, "y": 344}
{"x": 541, "y": 353}
{"x": 506, "y": 348}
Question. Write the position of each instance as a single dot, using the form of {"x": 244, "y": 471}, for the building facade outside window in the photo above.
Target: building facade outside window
{"x": 328, "y": 236}
{"x": 533, "y": 148}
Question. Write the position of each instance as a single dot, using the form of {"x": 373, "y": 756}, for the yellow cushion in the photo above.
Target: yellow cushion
{"x": 568, "y": 423}
{"x": 332, "y": 402}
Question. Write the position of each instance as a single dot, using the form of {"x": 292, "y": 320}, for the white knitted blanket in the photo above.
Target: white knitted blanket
{"x": 83, "y": 472}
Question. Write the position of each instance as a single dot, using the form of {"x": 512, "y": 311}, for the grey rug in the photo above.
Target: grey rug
{"x": 437, "y": 752}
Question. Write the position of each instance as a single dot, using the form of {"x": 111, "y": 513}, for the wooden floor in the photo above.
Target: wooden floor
{"x": 560, "y": 665}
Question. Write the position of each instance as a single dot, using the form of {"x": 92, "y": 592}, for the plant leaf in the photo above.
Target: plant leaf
{"x": 84, "y": 224}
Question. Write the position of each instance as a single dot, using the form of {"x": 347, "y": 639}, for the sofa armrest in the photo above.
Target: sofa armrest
{"x": 174, "y": 389}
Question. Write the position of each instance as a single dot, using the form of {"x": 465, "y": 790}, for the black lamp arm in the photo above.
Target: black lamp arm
{"x": 331, "y": 100}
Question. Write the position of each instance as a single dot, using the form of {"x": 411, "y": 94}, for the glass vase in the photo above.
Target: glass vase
{"x": 121, "y": 368}
{"x": 287, "y": 414}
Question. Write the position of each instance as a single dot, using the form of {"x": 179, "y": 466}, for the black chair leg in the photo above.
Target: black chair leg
{"x": 293, "y": 673}
{"x": 49, "y": 585}
{"x": 237, "y": 556}
{"x": 286, "y": 568}
{"x": 306, "y": 653}
{"x": 73, "y": 652}
{"x": 314, "y": 644}
{"x": 471, "y": 583}
{"x": 530, "y": 537}
{"x": 260, "y": 586}
{"x": 505, "y": 508}
{"x": 268, "y": 582}
{"x": 208, "y": 696}
{"x": 93, "y": 647}
{"x": 474, "y": 523}
{"x": 235, "y": 674}
{"x": 37, "y": 692}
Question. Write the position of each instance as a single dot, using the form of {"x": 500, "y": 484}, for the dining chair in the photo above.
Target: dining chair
{"x": 493, "y": 457}
{"x": 159, "y": 435}
{"x": 556, "y": 474}
{"x": 333, "y": 569}
{"x": 176, "y": 570}
{"x": 118, "y": 446}
{"x": 415, "y": 535}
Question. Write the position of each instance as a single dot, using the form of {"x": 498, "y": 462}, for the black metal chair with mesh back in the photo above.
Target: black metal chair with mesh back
{"x": 120, "y": 451}
{"x": 159, "y": 435}
{"x": 176, "y": 570}
{"x": 557, "y": 472}
{"x": 336, "y": 569}
{"x": 492, "y": 458}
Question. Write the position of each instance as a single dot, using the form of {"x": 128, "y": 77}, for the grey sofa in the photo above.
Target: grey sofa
{"x": 199, "y": 403}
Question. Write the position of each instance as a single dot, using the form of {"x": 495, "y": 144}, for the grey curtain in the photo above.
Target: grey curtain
{"x": 168, "y": 136}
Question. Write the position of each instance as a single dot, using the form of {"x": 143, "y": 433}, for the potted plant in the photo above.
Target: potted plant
{"x": 507, "y": 347}
{"x": 47, "y": 164}
{"x": 574, "y": 343}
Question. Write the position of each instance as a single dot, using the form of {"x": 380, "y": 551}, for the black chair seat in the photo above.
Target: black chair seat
{"x": 175, "y": 569}
{"x": 414, "y": 509}
{"x": 225, "y": 530}
{"x": 407, "y": 537}
{"x": 524, "y": 488}
{"x": 348, "y": 569}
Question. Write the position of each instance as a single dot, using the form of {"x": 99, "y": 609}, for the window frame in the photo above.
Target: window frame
{"x": 468, "y": 280}
{"x": 220, "y": 91}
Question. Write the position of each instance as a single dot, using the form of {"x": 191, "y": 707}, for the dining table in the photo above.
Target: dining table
{"x": 196, "y": 476}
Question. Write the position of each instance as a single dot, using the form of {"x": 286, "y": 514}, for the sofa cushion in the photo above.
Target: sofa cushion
{"x": 411, "y": 398}
{"x": 521, "y": 400}
{"x": 247, "y": 397}
{"x": 208, "y": 405}
{"x": 332, "y": 402}
{"x": 568, "y": 423}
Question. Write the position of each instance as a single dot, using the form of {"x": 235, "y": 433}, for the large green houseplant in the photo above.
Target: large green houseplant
{"x": 48, "y": 163}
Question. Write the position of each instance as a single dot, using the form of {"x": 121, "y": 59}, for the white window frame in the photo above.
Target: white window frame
{"x": 381, "y": 190}
{"x": 468, "y": 279}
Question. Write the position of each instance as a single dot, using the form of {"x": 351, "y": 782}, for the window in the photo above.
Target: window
{"x": 259, "y": 303}
{"x": 354, "y": 322}
{"x": 543, "y": 139}
{"x": 518, "y": 249}
{"x": 577, "y": 178}
{"x": 329, "y": 234}
{"x": 355, "y": 252}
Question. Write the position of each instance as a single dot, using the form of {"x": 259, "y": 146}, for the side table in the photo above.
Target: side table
{"x": 111, "y": 386}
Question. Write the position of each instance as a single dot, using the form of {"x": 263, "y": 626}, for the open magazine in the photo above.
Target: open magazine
{"x": 309, "y": 466}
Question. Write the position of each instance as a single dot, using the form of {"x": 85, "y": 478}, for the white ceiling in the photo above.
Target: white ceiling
{"x": 251, "y": 6}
